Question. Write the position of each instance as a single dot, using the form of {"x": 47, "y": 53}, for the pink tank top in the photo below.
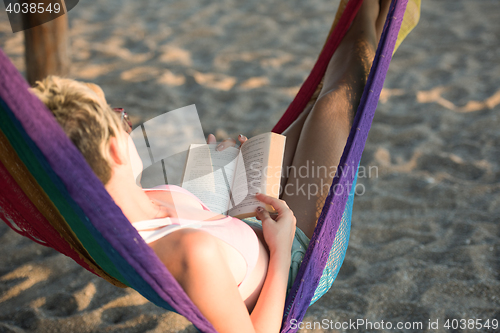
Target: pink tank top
{"x": 231, "y": 230}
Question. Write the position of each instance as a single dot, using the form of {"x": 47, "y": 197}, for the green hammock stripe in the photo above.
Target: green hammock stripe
{"x": 60, "y": 199}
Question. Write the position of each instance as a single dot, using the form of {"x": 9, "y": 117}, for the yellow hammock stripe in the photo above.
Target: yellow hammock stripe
{"x": 39, "y": 198}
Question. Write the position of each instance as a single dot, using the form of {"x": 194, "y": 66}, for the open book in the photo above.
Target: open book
{"x": 226, "y": 181}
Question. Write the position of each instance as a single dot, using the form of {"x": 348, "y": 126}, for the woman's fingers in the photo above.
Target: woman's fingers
{"x": 280, "y": 206}
{"x": 211, "y": 139}
{"x": 225, "y": 144}
{"x": 262, "y": 214}
{"x": 242, "y": 139}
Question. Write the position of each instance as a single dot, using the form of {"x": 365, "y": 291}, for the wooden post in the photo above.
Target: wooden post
{"x": 47, "y": 49}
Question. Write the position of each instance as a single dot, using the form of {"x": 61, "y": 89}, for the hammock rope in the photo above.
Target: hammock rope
{"x": 324, "y": 235}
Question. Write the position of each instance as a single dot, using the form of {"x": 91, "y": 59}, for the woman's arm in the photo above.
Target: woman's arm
{"x": 195, "y": 260}
{"x": 279, "y": 234}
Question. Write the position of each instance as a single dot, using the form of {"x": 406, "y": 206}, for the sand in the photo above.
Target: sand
{"x": 425, "y": 235}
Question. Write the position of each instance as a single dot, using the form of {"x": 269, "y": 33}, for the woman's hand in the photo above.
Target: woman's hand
{"x": 226, "y": 143}
{"x": 278, "y": 232}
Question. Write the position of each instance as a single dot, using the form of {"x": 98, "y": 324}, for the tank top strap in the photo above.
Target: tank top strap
{"x": 178, "y": 189}
{"x": 151, "y": 230}
{"x": 152, "y": 224}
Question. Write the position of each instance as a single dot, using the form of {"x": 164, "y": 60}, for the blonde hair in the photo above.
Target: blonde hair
{"x": 85, "y": 118}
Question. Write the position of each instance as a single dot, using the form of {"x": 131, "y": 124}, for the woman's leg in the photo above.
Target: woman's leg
{"x": 317, "y": 139}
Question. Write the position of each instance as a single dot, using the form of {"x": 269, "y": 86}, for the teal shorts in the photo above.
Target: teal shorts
{"x": 299, "y": 247}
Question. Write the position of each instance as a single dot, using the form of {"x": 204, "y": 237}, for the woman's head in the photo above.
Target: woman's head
{"x": 88, "y": 121}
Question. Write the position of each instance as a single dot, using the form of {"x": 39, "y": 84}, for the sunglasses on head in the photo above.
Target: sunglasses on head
{"x": 127, "y": 124}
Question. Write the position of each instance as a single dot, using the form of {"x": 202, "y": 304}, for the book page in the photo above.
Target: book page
{"x": 252, "y": 176}
{"x": 209, "y": 175}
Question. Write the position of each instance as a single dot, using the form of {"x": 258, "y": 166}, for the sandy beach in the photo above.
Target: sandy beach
{"x": 425, "y": 238}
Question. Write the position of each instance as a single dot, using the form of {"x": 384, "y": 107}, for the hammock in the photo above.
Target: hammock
{"x": 49, "y": 194}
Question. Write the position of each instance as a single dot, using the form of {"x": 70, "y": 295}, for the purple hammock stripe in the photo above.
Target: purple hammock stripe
{"x": 89, "y": 193}
{"x": 107, "y": 218}
{"x": 315, "y": 259}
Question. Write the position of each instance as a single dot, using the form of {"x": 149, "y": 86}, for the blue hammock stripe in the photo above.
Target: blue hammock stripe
{"x": 339, "y": 248}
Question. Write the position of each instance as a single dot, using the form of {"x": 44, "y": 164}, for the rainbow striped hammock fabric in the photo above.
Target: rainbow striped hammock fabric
{"x": 49, "y": 194}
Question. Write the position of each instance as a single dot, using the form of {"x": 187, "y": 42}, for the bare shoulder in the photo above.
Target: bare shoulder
{"x": 198, "y": 263}
{"x": 185, "y": 250}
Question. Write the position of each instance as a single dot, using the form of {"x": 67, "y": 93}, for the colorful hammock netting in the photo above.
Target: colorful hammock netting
{"x": 49, "y": 194}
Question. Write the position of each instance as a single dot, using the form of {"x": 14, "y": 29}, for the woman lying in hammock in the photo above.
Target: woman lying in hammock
{"x": 235, "y": 275}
